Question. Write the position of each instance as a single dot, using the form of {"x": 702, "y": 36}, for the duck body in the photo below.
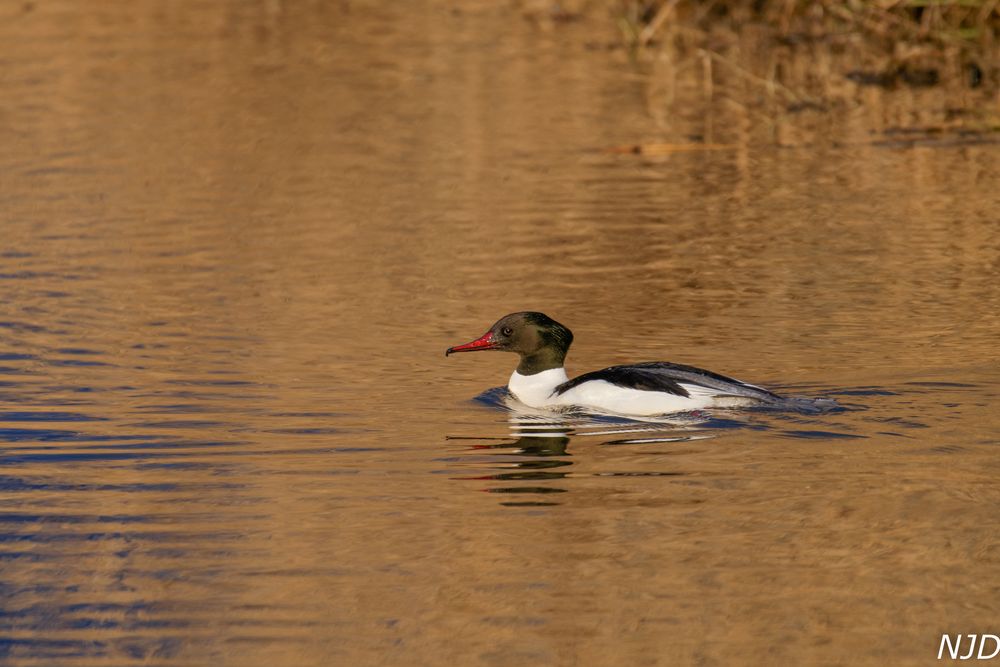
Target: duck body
{"x": 644, "y": 389}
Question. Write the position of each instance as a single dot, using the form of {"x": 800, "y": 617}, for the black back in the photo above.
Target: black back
{"x": 667, "y": 377}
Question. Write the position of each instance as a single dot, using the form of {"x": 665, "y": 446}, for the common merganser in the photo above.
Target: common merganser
{"x": 644, "y": 389}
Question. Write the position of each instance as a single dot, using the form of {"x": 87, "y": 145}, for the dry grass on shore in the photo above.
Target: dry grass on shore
{"x": 939, "y": 59}
{"x": 972, "y": 25}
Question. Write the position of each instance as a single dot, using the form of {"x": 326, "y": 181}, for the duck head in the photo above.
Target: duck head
{"x": 540, "y": 341}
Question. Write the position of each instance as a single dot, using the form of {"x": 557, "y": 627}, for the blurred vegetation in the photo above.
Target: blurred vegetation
{"x": 971, "y": 25}
{"x": 908, "y": 42}
{"x": 779, "y": 57}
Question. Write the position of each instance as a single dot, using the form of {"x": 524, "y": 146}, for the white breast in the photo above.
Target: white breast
{"x": 536, "y": 390}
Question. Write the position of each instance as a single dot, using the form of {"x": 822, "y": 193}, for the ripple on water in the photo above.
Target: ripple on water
{"x": 540, "y": 445}
{"x": 223, "y": 418}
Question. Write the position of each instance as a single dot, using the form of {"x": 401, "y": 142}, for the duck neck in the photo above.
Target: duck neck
{"x": 543, "y": 360}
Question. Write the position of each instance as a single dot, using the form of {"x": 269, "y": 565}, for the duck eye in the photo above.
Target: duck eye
{"x": 506, "y": 331}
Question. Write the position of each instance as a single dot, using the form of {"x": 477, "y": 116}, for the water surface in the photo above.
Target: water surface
{"x": 237, "y": 238}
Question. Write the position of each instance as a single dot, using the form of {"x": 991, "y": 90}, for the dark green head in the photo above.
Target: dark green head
{"x": 540, "y": 340}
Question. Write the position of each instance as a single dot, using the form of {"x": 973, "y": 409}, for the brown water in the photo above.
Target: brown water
{"x": 237, "y": 238}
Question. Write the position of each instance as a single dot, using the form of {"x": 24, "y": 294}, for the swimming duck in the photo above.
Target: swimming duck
{"x": 643, "y": 389}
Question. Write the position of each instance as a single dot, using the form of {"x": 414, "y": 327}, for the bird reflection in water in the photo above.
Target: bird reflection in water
{"x": 530, "y": 457}
{"x": 536, "y": 453}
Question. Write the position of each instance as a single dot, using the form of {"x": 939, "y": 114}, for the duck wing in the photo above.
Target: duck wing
{"x": 676, "y": 379}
